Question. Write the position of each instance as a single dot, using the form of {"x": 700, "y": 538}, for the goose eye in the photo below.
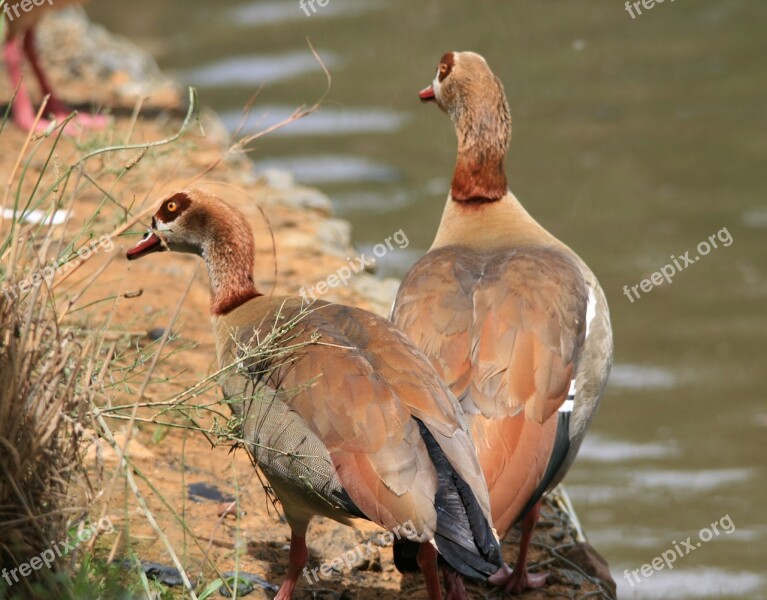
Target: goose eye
{"x": 443, "y": 69}
{"x": 172, "y": 206}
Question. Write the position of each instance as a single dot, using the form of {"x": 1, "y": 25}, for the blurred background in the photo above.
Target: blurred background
{"x": 634, "y": 140}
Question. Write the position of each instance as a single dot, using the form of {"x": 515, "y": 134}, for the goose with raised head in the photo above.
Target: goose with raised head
{"x": 512, "y": 319}
{"x": 353, "y": 422}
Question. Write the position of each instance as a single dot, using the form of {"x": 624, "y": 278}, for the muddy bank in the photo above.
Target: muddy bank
{"x": 300, "y": 246}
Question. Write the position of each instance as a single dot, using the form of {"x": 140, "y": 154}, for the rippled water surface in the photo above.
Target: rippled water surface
{"x": 634, "y": 140}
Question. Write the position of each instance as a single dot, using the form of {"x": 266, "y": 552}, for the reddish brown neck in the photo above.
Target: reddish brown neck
{"x": 483, "y": 138}
{"x": 230, "y": 269}
{"x": 230, "y": 299}
{"x": 479, "y": 177}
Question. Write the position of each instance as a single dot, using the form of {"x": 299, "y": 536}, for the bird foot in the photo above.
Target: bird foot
{"x": 454, "y": 588}
{"x": 26, "y": 121}
{"x": 90, "y": 122}
{"x": 524, "y": 580}
{"x": 285, "y": 592}
{"x": 518, "y": 580}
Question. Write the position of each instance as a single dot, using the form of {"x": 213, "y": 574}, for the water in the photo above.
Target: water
{"x": 634, "y": 140}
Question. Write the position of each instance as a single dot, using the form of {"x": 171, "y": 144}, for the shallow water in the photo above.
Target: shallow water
{"x": 634, "y": 140}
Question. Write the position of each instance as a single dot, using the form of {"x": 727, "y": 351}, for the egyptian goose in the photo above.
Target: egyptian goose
{"x": 20, "y": 20}
{"x": 513, "y": 320}
{"x": 352, "y": 422}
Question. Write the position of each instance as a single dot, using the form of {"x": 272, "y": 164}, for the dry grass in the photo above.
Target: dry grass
{"x": 41, "y": 367}
{"x": 64, "y": 379}
{"x": 51, "y": 369}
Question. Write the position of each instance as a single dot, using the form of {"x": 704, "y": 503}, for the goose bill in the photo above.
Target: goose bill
{"x": 148, "y": 244}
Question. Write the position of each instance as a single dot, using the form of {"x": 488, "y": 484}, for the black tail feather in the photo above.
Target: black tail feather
{"x": 464, "y": 537}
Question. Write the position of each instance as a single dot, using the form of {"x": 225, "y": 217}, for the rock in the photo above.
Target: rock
{"x": 292, "y": 195}
{"x": 380, "y": 292}
{"x": 309, "y": 199}
{"x": 343, "y": 550}
{"x": 278, "y": 179}
{"x": 246, "y": 584}
{"x": 202, "y": 491}
{"x": 72, "y": 44}
{"x": 155, "y": 333}
{"x": 228, "y": 509}
{"x": 587, "y": 558}
{"x": 165, "y": 574}
{"x": 335, "y": 236}
{"x": 334, "y": 540}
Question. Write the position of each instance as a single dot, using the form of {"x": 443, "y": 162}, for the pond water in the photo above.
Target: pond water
{"x": 634, "y": 140}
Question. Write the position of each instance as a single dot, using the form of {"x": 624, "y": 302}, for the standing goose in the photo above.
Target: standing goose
{"x": 20, "y": 42}
{"x": 353, "y": 422}
{"x": 512, "y": 319}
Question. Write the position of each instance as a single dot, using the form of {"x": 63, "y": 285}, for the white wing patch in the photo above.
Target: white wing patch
{"x": 567, "y": 405}
{"x": 591, "y": 311}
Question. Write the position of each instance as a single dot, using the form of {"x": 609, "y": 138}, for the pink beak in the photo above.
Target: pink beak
{"x": 427, "y": 94}
{"x": 148, "y": 244}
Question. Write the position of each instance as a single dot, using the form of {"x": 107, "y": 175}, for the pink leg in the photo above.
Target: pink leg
{"x": 56, "y": 106}
{"x": 520, "y": 579}
{"x": 454, "y": 588}
{"x": 427, "y": 562}
{"x": 23, "y": 112}
{"x": 298, "y": 556}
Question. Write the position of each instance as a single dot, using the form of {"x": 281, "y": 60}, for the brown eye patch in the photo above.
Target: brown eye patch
{"x": 173, "y": 207}
{"x": 446, "y": 65}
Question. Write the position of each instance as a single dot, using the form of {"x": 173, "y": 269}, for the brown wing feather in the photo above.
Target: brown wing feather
{"x": 436, "y": 311}
{"x": 517, "y": 441}
{"x": 367, "y": 382}
{"x": 499, "y": 327}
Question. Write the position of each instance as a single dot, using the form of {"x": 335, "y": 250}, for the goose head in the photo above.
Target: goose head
{"x": 467, "y": 90}
{"x": 197, "y": 222}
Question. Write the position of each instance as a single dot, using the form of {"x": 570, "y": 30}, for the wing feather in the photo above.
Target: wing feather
{"x": 367, "y": 382}
{"x": 500, "y": 327}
